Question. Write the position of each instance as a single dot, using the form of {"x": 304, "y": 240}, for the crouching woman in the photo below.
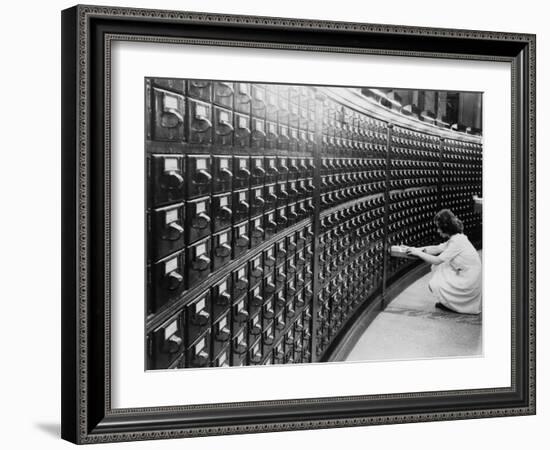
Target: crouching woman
{"x": 456, "y": 267}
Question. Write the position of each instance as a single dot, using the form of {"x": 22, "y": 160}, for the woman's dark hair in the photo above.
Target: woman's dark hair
{"x": 448, "y": 223}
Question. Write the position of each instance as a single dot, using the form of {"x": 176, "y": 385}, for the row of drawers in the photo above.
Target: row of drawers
{"x": 175, "y": 177}
{"x": 409, "y": 137}
{"x": 457, "y": 156}
{"x": 208, "y": 116}
{"x": 346, "y": 148}
{"x": 397, "y": 164}
{"x": 329, "y": 182}
{"x": 261, "y": 100}
{"x": 340, "y": 165}
{"x": 468, "y": 158}
{"x": 171, "y": 276}
{"x": 340, "y": 195}
{"x": 415, "y": 154}
{"x": 202, "y": 124}
{"x": 244, "y": 293}
{"x": 172, "y": 226}
{"x": 270, "y": 347}
{"x": 413, "y": 139}
{"x": 282, "y": 104}
{"x": 410, "y": 144}
{"x": 471, "y": 178}
{"x": 169, "y": 232}
{"x": 371, "y": 182}
{"x": 341, "y": 121}
{"x": 418, "y": 203}
{"x": 235, "y": 338}
{"x": 269, "y": 116}
{"x": 453, "y": 145}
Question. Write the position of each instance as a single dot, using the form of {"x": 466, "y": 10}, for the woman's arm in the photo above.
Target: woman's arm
{"x": 451, "y": 249}
{"x": 432, "y": 249}
{"x": 431, "y": 259}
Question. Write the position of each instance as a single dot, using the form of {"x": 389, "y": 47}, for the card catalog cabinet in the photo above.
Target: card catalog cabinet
{"x": 270, "y": 212}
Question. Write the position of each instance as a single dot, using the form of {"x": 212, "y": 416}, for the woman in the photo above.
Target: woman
{"x": 456, "y": 267}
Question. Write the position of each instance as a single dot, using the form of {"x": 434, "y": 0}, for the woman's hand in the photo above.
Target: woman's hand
{"x": 414, "y": 251}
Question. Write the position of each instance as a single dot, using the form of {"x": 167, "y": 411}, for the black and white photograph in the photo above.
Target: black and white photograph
{"x": 294, "y": 224}
{"x": 285, "y": 223}
{"x": 276, "y": 225}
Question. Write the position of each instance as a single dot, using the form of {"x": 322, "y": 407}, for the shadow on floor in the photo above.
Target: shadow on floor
{"x": 411, "y": 327}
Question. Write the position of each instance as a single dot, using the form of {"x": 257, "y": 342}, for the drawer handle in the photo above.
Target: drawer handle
{"x": 245, "y": 131}
{"x": 171, "y": 118}
{"x": 201, "y": 124}
{"x": 258, "y": 134}
{"x": 201, "y": 221}
{"x": 269, "y": 288}
{"x": 201, "y": 264}
{"x": 172, "y": 344}
{"x": 259, "y": 171}
{"x": 258, "y": 232}
{"x": 200, "y": 359}
{"x": 241, "y": 284}
{"x": 223, "y": 251}
{"x": 227, "y": 128}
{"x": 240, "y": 349}
{"x": 225, "y": 213}
{"x": 202, "y": 177}
{"x": 241, "y": 316}
{"x": 200, "y": 319}
{"x": 172, "y": 232}
{"x": 171, "y": 180}
{"x": 173, "y": 280}
{"x": 268, "y": 312}
{"x": 242, "y": 241}
{"x": 222, "y": 335}
{"x": 259, "y": 201}
{"x": 243, "y": 207}
{"x": 243, "y": 172}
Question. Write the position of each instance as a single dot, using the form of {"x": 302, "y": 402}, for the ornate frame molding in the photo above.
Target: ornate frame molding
{"x": 80, "y": 423}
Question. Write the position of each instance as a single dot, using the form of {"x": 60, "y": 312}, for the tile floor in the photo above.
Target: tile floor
{"x": 411, "y": 327}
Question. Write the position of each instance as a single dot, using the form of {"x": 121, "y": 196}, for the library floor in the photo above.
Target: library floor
{"x": 411, "y": 327}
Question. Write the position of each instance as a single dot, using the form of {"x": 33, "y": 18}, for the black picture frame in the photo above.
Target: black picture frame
{"x": 87, "y": 33}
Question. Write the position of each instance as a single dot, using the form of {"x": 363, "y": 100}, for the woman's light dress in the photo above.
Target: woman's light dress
{"x": 456, "y": 282}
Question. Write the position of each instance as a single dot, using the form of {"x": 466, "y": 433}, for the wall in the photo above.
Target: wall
{"x": 31, "y": 210}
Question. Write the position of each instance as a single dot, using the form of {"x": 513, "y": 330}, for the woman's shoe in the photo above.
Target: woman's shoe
{"x": 443, "y": 307}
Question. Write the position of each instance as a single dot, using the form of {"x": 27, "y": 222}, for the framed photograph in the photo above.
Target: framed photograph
{"x": 280, "y": 224}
